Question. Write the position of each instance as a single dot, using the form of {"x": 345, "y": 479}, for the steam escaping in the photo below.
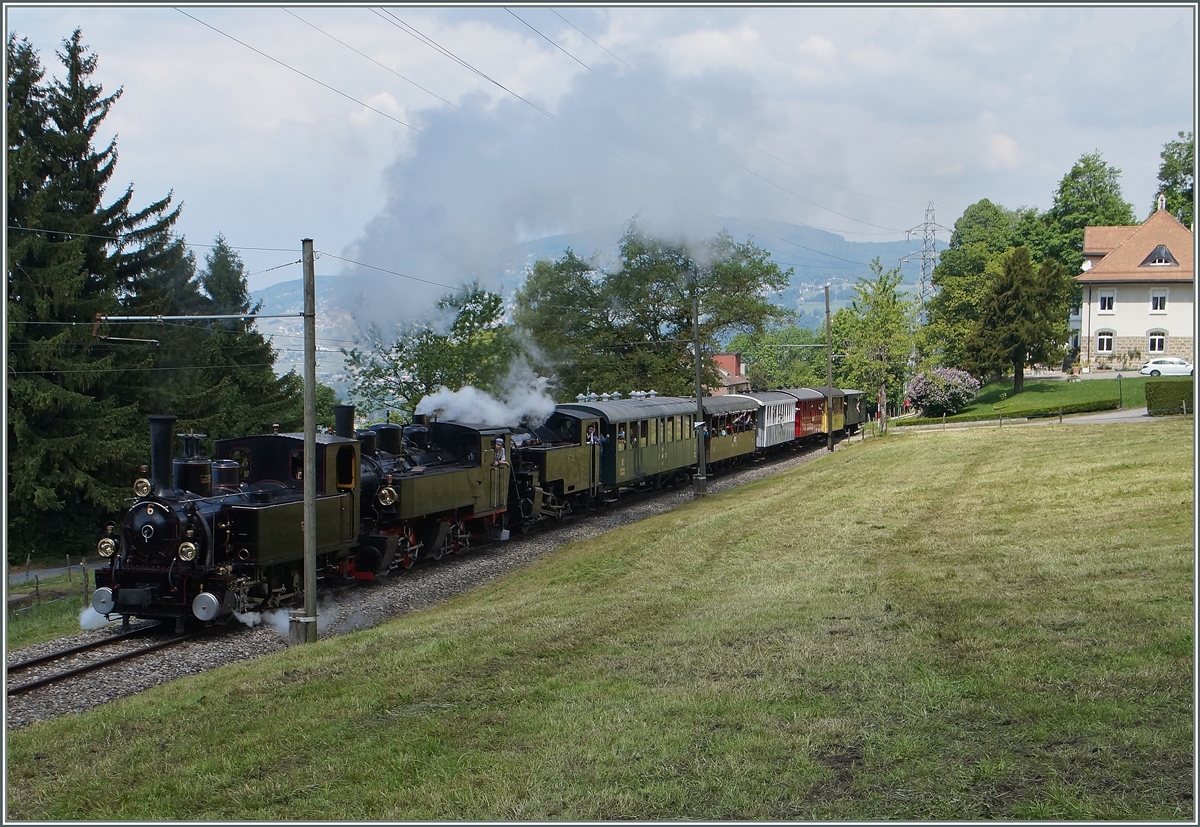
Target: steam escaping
{"x": 524, "y": 399}
{"x": 90, "y": 619}
{"x": 280, "y": 619}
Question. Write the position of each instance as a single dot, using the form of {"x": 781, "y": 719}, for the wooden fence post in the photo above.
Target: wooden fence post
{"x": 69, "y": 580}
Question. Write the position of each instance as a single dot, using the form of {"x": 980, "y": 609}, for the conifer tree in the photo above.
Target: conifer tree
{"x": 1023, "y": 319}
{"x": 73, "y": 429}
{"x": 236, "y": 391}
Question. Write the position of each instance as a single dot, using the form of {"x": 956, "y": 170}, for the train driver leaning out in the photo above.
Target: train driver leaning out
{"x": 592, "y": 437}
{"x": 498, "y": 448}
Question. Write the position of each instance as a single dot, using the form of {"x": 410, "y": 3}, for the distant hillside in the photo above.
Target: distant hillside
{"x": 817, "y": 257}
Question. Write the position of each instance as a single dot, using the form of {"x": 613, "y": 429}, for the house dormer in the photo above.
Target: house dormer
{"x": 1160, "y": 257}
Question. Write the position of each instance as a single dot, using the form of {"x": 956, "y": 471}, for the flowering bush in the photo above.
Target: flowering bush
{"x": 942, "y": 391}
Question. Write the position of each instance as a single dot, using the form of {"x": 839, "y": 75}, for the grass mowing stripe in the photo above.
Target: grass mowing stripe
{"x": 967, "y": 625}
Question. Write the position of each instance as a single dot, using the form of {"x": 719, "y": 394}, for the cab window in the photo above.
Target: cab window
{"x": 347, "y": 468}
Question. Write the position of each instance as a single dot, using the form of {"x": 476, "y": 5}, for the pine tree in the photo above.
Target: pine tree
{"x": 73, "y": 430}
{"x": 235, "y": 390}
{"x": 1023, "y": 319}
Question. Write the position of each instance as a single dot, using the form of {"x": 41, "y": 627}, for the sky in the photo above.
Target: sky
{"x": 426, "y": 142}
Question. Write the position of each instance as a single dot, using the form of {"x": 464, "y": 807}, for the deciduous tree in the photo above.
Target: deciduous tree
{"x": 477, "y": 350}
{"x": 1177, "y": 178}
{"x": 876, "y": 333}
{"x": 632, "y": 328}
{"x": 1088, "y": 195}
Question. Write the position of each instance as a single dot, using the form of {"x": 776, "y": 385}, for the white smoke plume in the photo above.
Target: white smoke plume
{"x": 280, "y": 619}
{"x": 525, "y": 398}
{"x": 90, "y": 619}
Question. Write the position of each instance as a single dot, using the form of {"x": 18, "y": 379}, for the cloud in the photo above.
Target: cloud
{"x": 1002, "y": 153}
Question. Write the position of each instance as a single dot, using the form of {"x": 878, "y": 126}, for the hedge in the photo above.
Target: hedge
{"x": 1030, "y": 413}
{"x": 1169, "y": 396}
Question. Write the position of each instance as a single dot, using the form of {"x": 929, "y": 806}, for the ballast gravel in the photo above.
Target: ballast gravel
{"x": 343, "y": 610}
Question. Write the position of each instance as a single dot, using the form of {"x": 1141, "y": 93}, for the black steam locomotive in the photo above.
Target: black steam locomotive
{"x": 206, "y": 538}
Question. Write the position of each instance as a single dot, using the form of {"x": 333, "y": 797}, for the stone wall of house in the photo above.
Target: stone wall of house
{"x": 1131, "y": 351}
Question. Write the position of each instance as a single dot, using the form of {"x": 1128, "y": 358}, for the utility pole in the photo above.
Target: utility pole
{"x": 308, "y": 621}
{"x": 828, "y": 371}
{"x": 701, "y": 486}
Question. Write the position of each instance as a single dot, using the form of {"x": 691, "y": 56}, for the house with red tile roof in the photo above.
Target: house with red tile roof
{"x": 729, "y": 369}
{"x": 1138, "y": 293}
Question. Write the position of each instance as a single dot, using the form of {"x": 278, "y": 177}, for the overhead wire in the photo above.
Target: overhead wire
{"x": 373, "y": 60}
{"x": 728, "y": 131}
{"x": 405, "y": 27}
{"x": 297, "y": 71}
{"x": 721, "y": 155}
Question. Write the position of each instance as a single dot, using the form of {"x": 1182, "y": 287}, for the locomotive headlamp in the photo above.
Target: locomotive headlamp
{"x": 106, "y": 547}
{"x": 142, "y": 487}
{"x": 387, "y": 495}
{"x": 187, "y": 551}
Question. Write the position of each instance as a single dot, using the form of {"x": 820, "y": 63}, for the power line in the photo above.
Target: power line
{"x": 744, "y": 140}
{"x": 552, "y": 43}
{"x": 722, "y": 156}
{"x": 136, "y": 369}
{"x": 297, "y": 71}
{"x": 405, "y": 27}
{"x": 123, "y": 236}
{"x": 373, "y": 60}
{"x": 396, "y": 273}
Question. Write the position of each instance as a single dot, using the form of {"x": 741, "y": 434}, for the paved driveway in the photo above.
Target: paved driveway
{"x": 1124, "y": 415}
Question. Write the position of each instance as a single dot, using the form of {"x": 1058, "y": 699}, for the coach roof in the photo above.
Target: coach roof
{"x": 625, "y": 409}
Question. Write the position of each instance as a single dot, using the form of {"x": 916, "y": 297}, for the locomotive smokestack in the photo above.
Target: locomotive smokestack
{"x": 343, "y": 420}
{"x": 162, "y": 432}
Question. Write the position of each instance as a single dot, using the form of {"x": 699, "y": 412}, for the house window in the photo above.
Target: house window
{"x": 1106, "y": 301}
{"x": 1104, "y": 343}
{"x": 1157, "y": 342}
{"x": 1158, "y": 301}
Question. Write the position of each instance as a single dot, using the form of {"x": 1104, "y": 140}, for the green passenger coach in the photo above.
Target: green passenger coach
{"x": 644, "y": 441}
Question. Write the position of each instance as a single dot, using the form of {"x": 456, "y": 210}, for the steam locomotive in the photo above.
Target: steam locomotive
{"x": 207, "y": 538}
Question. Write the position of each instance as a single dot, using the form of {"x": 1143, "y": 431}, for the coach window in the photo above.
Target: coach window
{"x": 643, "y": 432}
{"x": 296, "y": 464}
{"x": 622, "y": 435}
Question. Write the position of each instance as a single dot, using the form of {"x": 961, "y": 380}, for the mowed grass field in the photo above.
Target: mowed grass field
{"x": 989, "y": 623}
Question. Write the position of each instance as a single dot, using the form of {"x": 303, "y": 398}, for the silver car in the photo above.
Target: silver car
{"x": 1167, "y": 366}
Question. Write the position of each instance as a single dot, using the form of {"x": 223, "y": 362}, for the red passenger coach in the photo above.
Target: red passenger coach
{"x": 810, "y": 408}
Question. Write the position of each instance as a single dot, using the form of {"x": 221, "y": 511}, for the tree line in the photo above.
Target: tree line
{"x": 78, "y": 394}
{"x": 1004, "y": 288}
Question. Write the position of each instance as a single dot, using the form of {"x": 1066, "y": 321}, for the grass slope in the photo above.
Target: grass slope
{"x": 971, "y": 624}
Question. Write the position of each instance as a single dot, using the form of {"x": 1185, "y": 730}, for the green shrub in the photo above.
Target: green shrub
{"x": 1169, "y": 396}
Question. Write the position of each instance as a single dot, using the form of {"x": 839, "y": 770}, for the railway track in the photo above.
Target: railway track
{"x": 59, "y": 666}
